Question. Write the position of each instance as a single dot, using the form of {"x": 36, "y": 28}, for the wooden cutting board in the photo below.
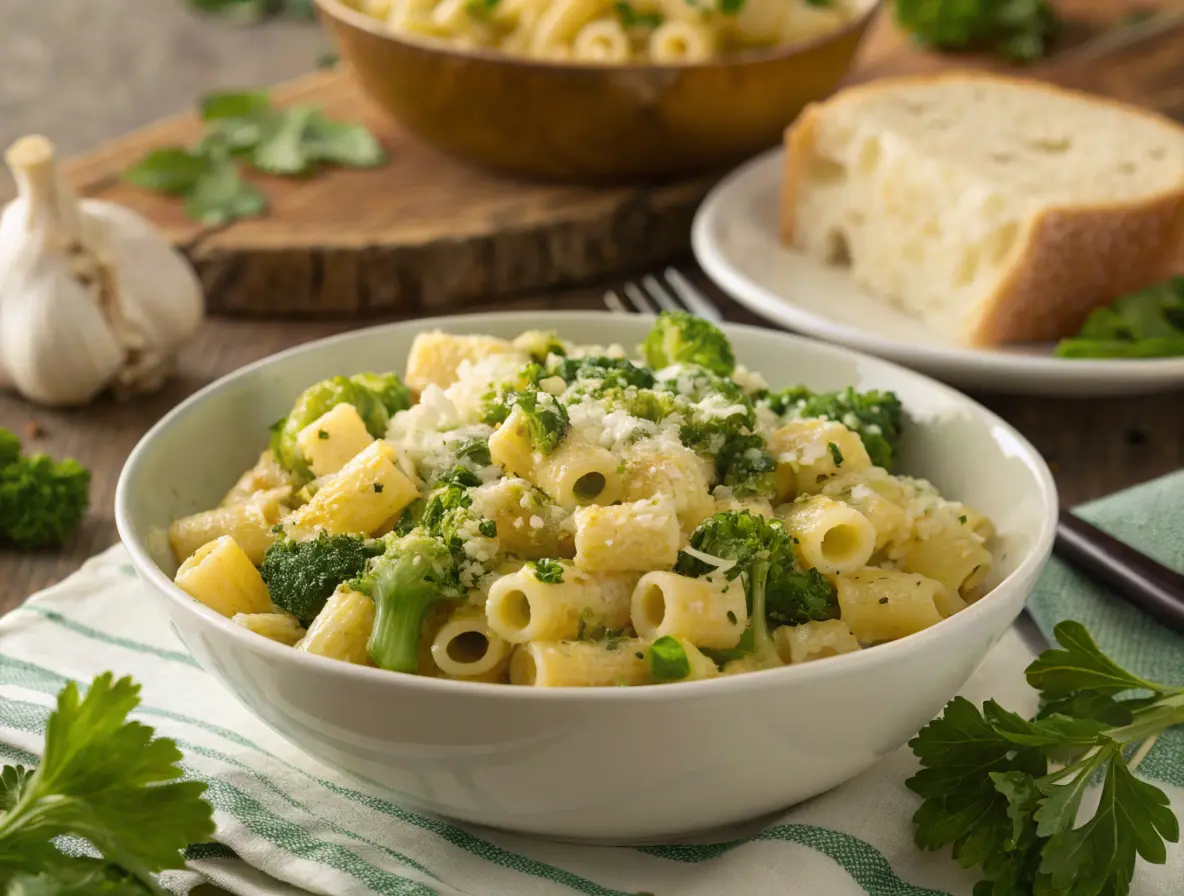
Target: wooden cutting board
{"x": 428, "y": 233}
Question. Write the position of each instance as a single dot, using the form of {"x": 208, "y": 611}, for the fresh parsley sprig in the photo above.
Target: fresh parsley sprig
{"x": 1148, "y": 323}
{"x": 105, "y": 779}
{"x": 245, "y": 127}
{"x": 1006, "y": 791}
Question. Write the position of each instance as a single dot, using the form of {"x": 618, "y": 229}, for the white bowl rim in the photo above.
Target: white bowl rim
{"x": 801, "y": 673}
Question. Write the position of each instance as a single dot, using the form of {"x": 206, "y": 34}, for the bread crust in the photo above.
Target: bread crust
{"x": 1075, "y": 259}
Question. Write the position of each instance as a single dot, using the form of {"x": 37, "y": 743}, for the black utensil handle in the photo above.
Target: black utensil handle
{"x": 1135, "y": 577}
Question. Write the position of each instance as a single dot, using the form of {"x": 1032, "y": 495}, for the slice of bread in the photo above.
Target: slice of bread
{"x": 994, "y": 209}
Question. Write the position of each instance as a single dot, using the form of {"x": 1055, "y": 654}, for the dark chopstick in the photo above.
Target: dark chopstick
{"x": 1135, "y": 577}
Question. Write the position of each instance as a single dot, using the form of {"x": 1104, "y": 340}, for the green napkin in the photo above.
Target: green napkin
{"x": 1149, "y": 517}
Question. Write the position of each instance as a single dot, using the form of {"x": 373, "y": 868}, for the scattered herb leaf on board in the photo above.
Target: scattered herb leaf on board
{"x": 244, "y": 127}
{"x": 1006, "y": 791}
{"x": 1020, "y": 30}
{"x": 1145, "y": 324}
{"x": 109, "y": 780}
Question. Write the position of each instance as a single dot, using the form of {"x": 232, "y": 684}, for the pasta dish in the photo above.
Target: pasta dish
{"x": 541, "y": 513}
{"x": 604, "y": 31}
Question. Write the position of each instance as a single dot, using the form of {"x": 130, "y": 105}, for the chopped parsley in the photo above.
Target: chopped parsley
{"x": 668, "y": 660}
{"x": 378, "y": 487}
{"x": 835, "y": 453}
{"x": 549, "y": 572}
{"x": 321, "y": 434}
{"x": 731, "y": 616}
{"x": 631, "y": 18}
{"x": 962, "y": 519}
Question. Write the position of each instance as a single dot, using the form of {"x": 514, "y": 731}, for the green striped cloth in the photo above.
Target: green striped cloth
{"x": 287, "y": 824}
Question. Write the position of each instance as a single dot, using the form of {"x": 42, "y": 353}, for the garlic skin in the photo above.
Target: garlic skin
{"x": 91, "y": 295}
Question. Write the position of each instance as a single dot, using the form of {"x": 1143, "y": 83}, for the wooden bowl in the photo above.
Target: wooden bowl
{"x": 589, "y": 123}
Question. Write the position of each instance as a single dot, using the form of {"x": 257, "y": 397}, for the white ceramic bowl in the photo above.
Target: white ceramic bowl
{"x": 611, "y": 764}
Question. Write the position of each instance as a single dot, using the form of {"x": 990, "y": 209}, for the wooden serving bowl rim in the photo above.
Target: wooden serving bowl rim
{"x": 337, "y": 9}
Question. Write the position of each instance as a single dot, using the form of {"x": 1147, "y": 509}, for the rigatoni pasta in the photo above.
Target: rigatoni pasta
{"x": 606, "y": 32}
{"x": 550, "y": 514}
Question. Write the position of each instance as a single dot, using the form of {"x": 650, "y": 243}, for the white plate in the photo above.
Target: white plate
{"x": 735, "y": 240}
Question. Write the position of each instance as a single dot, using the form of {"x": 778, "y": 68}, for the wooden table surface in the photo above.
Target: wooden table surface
{"x": 1095, "y": 446}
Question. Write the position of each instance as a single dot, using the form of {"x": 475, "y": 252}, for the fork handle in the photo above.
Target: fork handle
{"x": 1135, "y": 577}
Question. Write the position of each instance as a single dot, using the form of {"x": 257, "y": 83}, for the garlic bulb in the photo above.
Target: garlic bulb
{"x": 91, "y": 296}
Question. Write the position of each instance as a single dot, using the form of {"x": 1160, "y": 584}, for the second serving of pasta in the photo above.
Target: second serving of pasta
{"x": 540, "y": 513}
{"x": 615, "y": 31}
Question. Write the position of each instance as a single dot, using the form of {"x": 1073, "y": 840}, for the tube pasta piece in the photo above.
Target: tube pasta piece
{"x": 451, "y": 16}
{"x": 804, "y": 21}
{"x": 368, "y": 492}
{"x": 266, "y": 475}
{"x": 342, "y": 628}
{"x": 759, "y": 506}
{"x": 814, "y": 640}
{"x": 466, "y": 647}
{"x": 705, "y": 612}
{"x": 807, "y": 446}
{"x": 829, "y": 536}
{"x": 221, "y": 576}
{"x": 953, "y": 556}
{"x": 520, "y": 608}
{"x": 510, "y": 446}
{"x": 435, "y": 356}
{"x": 638, "y": 536}
{"x": 282, "y": 627}
{"x": 601, "y": 41}
{"x": 890, "y": 520}
{"x": 561, "y": 20}
{"x": 248, "y": 522}
{"x": 675, "y": 472}
{"x": 528, "y": 524}
{"x": 556, "y": 664}
{"x": 577, "y": 474}
{"x": 333, "y": 439}
{"x": 675, "y": 41}
{"x": 883, "y": 604}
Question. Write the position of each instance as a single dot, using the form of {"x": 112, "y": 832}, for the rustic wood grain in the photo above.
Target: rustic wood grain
{"x": 421, "y": 233}
{"x": 1095, "y": 446}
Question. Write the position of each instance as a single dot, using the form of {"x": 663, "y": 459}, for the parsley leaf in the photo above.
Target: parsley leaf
{"x": 221, "y": 195}
{"x": 287, "y": 142}
{"x": 549, "y": 572}
{"x": 631, "y": 18}
{"x": 106, "y": 779}
{"x": 1006, "y": 792}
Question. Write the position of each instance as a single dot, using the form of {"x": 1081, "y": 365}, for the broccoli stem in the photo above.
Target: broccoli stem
{"x": 400, "y": 608}
{"x": 762, "y": 641}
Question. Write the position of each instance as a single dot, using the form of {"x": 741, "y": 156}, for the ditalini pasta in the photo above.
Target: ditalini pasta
{"x": 541, "y": 513}
{"x": 607, "y": 32}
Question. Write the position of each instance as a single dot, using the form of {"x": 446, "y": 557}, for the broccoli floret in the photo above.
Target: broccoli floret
{"x": 757, "y": 546}
{"x": 797, "y": 596}
{"x": 607, "y": 373}
{"x": 376, "y": 396}
{"x": 877, "y": 416}
{"x": 682, "y": 338}
{"x": 546, "y": 417}
{"x": 10, "y": 447}
{"x": 414, "y": 573}
{"x": 42, "y": 500}
{"x": 745, "y": 465}
{"x": 1014, "y": 30}
{"x": 449, "y": 516}
{"x": 300, "y": 575}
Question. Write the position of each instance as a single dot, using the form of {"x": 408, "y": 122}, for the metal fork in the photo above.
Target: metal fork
{"x": 672, "y": 292}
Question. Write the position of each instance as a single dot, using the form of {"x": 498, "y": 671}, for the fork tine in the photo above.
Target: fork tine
{"x": 660, "y": 294}
{"x": 614, "y": 303}
{"x": 692, "y": 297}
{"x": 640, "y": 300}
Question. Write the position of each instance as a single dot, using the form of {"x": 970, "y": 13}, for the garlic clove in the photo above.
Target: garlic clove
{"x": 159, "y": 295}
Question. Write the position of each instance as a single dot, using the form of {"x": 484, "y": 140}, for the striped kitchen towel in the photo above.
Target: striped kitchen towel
{"x": 287, "y": 824}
